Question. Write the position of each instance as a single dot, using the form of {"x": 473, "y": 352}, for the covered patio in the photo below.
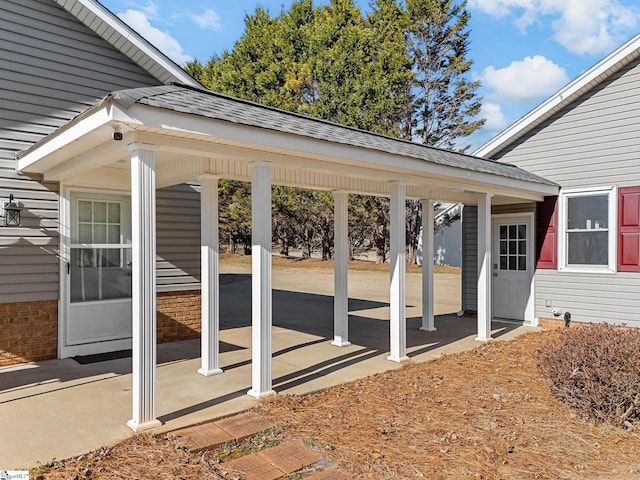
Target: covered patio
{"x": 60, "y": 408}
{"x": 144, "y": 139}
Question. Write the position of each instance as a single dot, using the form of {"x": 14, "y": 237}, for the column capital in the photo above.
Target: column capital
{"x": 485, "y": 195}
{"x": 208, "y": 176}
{"x": 399, "y": 183}
{"x": 135, "y": 146}
{"x": 259, "y": 163}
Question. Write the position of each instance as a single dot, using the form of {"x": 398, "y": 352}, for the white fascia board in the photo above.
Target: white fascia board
{"x": 38, "y": 158}
{"x": 596, "y": 74}
{"x": 130, "y": 36}
{"x": 346, "y": 155}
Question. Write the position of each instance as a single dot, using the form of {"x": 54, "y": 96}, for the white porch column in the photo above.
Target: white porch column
{"x": 261, "y": 280}
{"x": 397, "y": 298}
{"x": 341, "y": 257}
{"x": 143, "y": 277}
{"x": 210, "y": 293}
{"x": 428, "y": 323}
{"x": 484, "y": 268}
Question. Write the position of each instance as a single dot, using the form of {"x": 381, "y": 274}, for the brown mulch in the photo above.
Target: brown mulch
{"x": 484, "y": 414}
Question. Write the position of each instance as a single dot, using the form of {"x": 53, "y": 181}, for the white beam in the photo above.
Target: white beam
{"x": 428, "y": 323}
{"x": 210, "y": 292}
{"x": 397, "y": 298}
{"x": 143, "y": 278}
{"x": 341, "y": 257}
{"x": 261, "y": 293}
{"x": 484, "y": 268}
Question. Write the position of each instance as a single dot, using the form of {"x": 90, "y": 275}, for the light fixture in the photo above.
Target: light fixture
{"x": 12, "y": 213}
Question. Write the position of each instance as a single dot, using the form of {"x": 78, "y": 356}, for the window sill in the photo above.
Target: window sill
{"x": 596, "y": 271}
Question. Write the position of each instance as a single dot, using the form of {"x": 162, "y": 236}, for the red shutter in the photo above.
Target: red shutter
{"x": 629, "y": 229}
{"x": 547, "y": 233}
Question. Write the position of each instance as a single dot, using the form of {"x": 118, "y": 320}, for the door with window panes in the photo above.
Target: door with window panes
{"x": 512, "y": 269}
{"x": 99, "y": 269}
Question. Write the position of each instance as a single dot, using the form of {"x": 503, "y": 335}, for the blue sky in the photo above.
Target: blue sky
{"x": 523, "y": 50}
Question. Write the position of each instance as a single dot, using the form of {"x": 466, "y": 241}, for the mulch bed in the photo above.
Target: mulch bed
{"x": 485, "y": 414}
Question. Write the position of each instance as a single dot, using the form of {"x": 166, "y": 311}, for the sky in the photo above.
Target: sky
{"x": 523, "y": 50}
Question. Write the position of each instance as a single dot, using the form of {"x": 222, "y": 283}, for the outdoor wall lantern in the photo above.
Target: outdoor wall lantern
{"x": 11, "y": 213}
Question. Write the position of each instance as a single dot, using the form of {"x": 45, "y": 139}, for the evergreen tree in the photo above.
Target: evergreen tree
{"x": 445, "y": 101}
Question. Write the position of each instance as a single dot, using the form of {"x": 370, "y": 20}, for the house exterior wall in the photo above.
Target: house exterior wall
{"x": 470, "y": 250}
{"x": 593, "y": 142}
{"x": 52, "y": 67}
{"x": 469, "y": 219}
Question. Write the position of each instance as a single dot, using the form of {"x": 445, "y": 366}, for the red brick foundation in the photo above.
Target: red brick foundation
{"x": 29, "y": 331}
{"x": 178, "y": 315}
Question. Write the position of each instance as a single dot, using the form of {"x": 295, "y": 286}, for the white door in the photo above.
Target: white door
{"x": 512, "y": 267}
{"x": 98, "y": 313}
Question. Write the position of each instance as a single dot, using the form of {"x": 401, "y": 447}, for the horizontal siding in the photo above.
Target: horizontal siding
{"x": 51, "y": 68}
{"x": 592, "y": 142}
{"x": 470, "y": 258}
{"x": 178, "y": 237}
{"x": 589, "y": 298}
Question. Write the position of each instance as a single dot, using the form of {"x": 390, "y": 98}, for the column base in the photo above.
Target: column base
{"x": 428, "y": 329}
{"x": 338, "y": 342}
{"x": 480, "y": 339}
{"x": 398, "y": 359}
{"x": 209, "y": 373}
{"x": 255, "y": 394}
{"x": 139, "y": 427}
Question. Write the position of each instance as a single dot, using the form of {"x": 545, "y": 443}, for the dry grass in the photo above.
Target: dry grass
{"x": 315, "y": 263}
{"x": 486, "y": 414}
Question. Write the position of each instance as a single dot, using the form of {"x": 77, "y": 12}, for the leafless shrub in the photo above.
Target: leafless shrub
{"x": 596, "y": 369}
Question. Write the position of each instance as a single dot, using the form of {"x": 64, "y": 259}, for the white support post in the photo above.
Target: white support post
{"x": 397, "y": 298}
{"x": 341, "y": 257}
{"x": 428, "y": 322}
{"x": 484, "y": 268}
{"x": 143, "y": 273}
{"x": 210, "y": 292}
{"x": 261, "y": 293}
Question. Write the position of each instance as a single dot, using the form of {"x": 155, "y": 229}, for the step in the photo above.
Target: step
{"x": 276, "y": 462}
{"x": 210, "y": 435}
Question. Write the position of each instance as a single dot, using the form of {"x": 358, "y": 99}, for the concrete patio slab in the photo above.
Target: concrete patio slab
{"x": 59, "y": 408}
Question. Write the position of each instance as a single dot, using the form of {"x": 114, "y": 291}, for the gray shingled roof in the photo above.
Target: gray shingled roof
{"x": 204, "y": 103}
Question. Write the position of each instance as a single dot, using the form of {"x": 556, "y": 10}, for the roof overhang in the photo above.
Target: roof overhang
{"x": 611, "y": 64}
{"x": 122, "y": 37}
{"x": 188, "y": 146}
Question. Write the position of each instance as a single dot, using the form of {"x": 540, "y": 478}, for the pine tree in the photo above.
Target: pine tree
{"x": 445, "y": 99}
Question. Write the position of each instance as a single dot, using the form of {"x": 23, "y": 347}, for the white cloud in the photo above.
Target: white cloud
{"x": 580, "y": 26}
{"x": 209, "y": 19}
{"x": 139, "y": 21}
{"x": 525, "y": 80}
{"x": 495, "y": 119}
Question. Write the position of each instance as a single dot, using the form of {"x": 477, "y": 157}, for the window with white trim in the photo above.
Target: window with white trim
{"x": 588, "y": 229}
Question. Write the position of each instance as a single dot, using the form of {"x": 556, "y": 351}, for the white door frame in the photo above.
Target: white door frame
{"x": 529, "y": 312}
{"x": 65, "y": 216}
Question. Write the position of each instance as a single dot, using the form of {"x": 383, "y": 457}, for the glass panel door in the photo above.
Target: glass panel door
{"x": 100, "y": 263}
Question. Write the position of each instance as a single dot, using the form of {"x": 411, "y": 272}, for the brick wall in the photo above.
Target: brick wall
{"x": 29, "y": 331}
{"x": 178, "y": 315}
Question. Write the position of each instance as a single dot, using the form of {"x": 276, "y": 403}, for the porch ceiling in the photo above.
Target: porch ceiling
{"x": 196, "y": 132}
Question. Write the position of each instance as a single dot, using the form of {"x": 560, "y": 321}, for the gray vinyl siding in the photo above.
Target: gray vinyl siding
{"x": 178, "y": 238}
{"x": 470, "y": 258}
{"x": 592, "y": 142}
{"x": 51, "y": 68}
{"x": 611, "y": 298}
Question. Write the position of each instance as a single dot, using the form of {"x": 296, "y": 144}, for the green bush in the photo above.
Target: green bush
{"x": 596, "y": 369}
